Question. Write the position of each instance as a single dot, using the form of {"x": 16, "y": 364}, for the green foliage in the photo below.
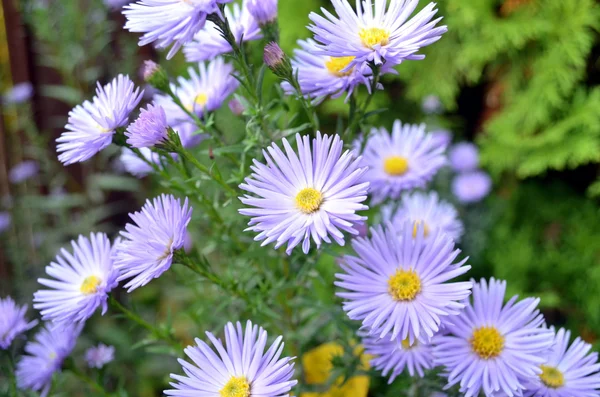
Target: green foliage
{"x": 546, "y": 248}
{"x": 534, "y": 59}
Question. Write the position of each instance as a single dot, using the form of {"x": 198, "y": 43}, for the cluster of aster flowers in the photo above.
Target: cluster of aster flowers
{"x": 403, "y": 283}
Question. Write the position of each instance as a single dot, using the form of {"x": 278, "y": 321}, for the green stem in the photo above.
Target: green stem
{"x": 203, "y": 271}
{"x": 87, "y": 380}
{"x": 215, "y": 176}
{"x": 11, "y": 373}
{"x": 355, "y": 121}
{"x": 156, "y": 332}
{"x": 307, "y": 105}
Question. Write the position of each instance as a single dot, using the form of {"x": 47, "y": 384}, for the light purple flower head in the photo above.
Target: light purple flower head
{"x": 432, "y": 105}
{"x": 23, "y": 171}
{"x": 80, "y": 281}
{"x": 442, "y": 138}
{"x": 240, "y": 368}
{"x": 92, "y": 125}
{"x": 394, "y": 356}
{"x": 149, "y": 129}
{"x": 169, "y": 22}
{"x": 4, "y": 221}
{"x": 264, "y": 11}
{"x": 406, "y": 159}
{"x": 45, "y": 356}
{"x": 471, "y": 187}
{"x": 464, "y": 157}
{"x": 19, "y": 93}
{"x": 569, "y": 371}
{"x": 202, "y": 92}
{"x": 135, "y": 165}
{"x": 321, "y": 75}
{"x": 493, "y": 347}
{"x": 426, "y": 209}
{"x": 314, "y": 194}
{"x": 150, "y": 242}
{"x": 376, "y": 32}
{"x": 99, "y": 356}
{"x": 398, "y": 286}
{"x": 12, "y": 321}
{"x": 209, "y": 43}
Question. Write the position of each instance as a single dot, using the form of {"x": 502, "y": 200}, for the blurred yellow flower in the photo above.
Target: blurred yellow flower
{"x": 317, "y": 364}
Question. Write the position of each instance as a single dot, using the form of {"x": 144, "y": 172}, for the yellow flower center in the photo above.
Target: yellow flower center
{"x": 199, "y": 102}
{"x": 487, "y": 342}
{"x": 404, "y": 285}
{"x": 552, "y": 377}
{"x": 416, "y": 228}
{"x": 90, "y": 285}
{"x": 236, "y": 387}
{"x": 395, "y": 165}
{"x": 371, "y": 37}
{"x": 406, "y": 344}
{"x": 335, "y": 65}
{"x": 309, "y": 200}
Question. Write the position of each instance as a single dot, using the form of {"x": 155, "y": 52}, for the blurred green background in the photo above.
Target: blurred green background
{"x": 518, "y": 77}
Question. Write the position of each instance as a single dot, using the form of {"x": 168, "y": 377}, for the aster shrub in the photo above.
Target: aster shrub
{"x": 280, "y": 253}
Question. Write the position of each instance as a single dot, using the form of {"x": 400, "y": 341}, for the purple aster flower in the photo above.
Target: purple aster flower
{"x": 242, "y": 368}
{"x": 427, "y": 209}
{"x": 491, "y": 346}
{"x": 376, "y": 32}
{"x": 394, "y": 356}
{"x": 4, "y": 221}
{"x": 149, "y": 243}
{"x": 569, "y": 371}
{"x": 23, "y": 171}
{"x": 471, "y": 187}
{"x": 321, "y": 75}
{"x": 45, "y": 356}
{"x": 99, "y": 356}
{"x": 398, "y": 286}
{"x": 407, "y": 158}
{"x": 19, "y": 93}
{"x": 202, "y": 92}
{"x": 264, "y": 11}
{"x": 12, "y": 321}
{"x": 92, "y": 125}
{"x": 464, "y": 156}
{"x": 209, "y": 43}
{"x": 313, "y": 194}
{"x": 169, "y": 22}
{"x": 135, "y": 165}
{"x": 442, "y": 138}
{"x": 432, "y": 105}
{"x": 149, "y": 129}
{"x": 80, "y": 281}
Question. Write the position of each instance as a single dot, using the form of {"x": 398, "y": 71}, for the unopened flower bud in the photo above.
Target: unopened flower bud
{"x": 236, "y": 107}
{"x": 155, "y": 75}
{"x": 277, "y": 61}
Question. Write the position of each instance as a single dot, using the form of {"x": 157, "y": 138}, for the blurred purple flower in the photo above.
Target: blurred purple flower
{"x": 432, "y": 105}
{"x": 471, "y": 187}
{"x": 464, "y": 156}
{"x": 4, "y": 221}
{"x": 19, "y": 93}
{"x": 99, "y": 356}
{"x": 12, "y": 321}
{"x": 442, "y": 137}
{"x": 23, "y": 171}
{"x": 264, "y": 11}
